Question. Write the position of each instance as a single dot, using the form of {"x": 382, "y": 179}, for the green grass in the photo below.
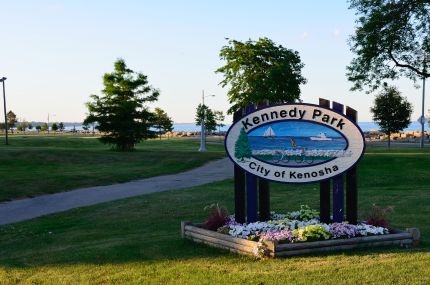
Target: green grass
{"x": 137, "y": 240}
{"x": 35, "y": 165}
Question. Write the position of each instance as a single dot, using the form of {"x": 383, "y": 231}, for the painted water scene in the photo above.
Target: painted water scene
{"x": 296, "y": 143}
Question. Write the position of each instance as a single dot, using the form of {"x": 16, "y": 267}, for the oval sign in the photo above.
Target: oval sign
{"x": 295, "y": 143}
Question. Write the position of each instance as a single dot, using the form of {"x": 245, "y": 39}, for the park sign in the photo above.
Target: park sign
{"x": 295, "y": 143}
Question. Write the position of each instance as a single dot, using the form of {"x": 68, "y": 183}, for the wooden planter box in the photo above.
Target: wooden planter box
{"x": 408, "y": 238}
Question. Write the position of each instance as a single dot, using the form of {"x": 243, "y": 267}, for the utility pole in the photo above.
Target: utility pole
{"x": 4, "y": 108}
{"x": 422, "y": 113}
{"x": 203, "y": 129}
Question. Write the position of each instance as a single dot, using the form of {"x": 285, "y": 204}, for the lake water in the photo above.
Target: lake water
{"x": 191, "y": 127}
{"x": 260, "y": 143}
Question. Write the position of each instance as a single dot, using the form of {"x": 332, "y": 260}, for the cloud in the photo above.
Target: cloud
{"x": 337, "y": 32}
{"x": 305, "y": 35}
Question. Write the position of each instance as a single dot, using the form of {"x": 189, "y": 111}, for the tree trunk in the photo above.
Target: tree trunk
{"x": 389, "y": 141}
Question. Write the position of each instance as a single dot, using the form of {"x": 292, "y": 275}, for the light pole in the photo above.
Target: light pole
{"x": 202, "y": 133}
{"x": 4, "y": 108}
{"x": 52, "y": 115}
{"x": 422, "y": 113}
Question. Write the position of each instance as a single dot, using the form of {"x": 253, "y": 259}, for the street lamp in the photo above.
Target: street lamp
{"x": 202, "y": 133}
{"x": 422, "y": 118}
{"x": 52, "y": 115}
{"x": 4, "y": 108}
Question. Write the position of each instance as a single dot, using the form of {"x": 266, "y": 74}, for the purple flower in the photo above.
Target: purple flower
{"x": 342, "y": 230}
{"x": 284, "y": 234}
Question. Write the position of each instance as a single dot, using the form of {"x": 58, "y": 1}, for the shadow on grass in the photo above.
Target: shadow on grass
{"x": 147, "y": 228}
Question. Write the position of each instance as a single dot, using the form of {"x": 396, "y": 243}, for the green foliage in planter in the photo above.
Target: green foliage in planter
{"x": 304, "y": 214}
{"x": 312, "y": 233}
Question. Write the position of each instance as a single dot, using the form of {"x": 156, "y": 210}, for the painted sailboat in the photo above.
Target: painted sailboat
{"x": 269, "y": 133}
{"x": 321, "y": 137}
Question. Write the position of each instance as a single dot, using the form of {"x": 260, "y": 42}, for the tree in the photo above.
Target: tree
{"x": 392, "y": 39}
{"x": 22, "y": 126}
{"x": 219, "y": 119}
{"x": 121, "y": 114}
{"x": 44, "y": 127}
{"x": 260, "y": 71}
{"x": 203, "y": 111}
{"x": 38, "y": 128}
{"x": 2, "y": 126}
{"x": 242, "y": 148}
{"x": 391, "y": 111}
{"x": 30, "y": 126}
{"x": 61, "y": 126}
{"x": 11, "y": 120}
{"x": 54, "y": 127}
{"x": 162, "y": 122}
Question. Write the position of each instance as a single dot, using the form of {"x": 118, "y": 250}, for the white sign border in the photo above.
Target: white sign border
{"x": 228, "y": 142}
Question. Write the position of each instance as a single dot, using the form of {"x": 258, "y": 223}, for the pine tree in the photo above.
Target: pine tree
{"x": 121, "y": 114}
{"x": 242, "y": 149}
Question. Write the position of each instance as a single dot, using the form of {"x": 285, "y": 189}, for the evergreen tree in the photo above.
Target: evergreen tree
{"x": 61, "y": 126}
{"x": 120, "y": 114}
{"x": 242, "y": 149}
{"x": 162, "y": 122}
{"x": 11, "y": 120}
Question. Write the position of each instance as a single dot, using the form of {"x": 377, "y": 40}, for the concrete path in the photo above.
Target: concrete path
{"x": 25, "y": 209}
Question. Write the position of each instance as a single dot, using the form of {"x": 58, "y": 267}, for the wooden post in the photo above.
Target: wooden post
{"x": 351, "y": 182}
{"x": 325, "y": 184}
{"x": 239, "y": 185}
{"x": 263, "y": 193}
{"x": 338, "y": 199}
{"x": 251, "y": 188}
{"x": 264, "y": 199}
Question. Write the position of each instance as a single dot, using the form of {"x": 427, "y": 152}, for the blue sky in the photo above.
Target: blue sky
{"x": 296, "y": 128}
{"x": 54, "y": 53}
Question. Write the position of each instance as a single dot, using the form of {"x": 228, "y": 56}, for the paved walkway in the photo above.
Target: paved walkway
{"x": 25, "y": 209}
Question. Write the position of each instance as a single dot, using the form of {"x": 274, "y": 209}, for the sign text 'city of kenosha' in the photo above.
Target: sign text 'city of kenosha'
{"x": 295, "y": 143}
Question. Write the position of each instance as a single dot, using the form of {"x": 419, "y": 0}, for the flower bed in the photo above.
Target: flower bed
{"x": 296, "y": 233}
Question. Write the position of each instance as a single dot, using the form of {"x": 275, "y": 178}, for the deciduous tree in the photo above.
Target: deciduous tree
{"x": 44, "y": 127}
{"x": 391, "y": 111}
{"x": 392, "y": 39}
{"x": 219, "y": 119}
{"x": 54, "y": 127}
{"x": 204, "y": 112}
{"x": 22, "y": 126}
{"x": 260, "y": 71}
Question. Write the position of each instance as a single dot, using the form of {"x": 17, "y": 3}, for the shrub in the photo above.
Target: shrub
{"x": 379, "y": 216}
{"x": 218, "y": 217}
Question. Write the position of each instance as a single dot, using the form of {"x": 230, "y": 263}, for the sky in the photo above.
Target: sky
{"x": 54, "y": 53}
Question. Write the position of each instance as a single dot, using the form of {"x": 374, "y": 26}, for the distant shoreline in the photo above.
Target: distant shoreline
{"x": 191, "y": 127}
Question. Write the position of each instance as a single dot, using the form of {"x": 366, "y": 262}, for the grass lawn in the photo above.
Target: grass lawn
{"x": 35, "y": 165}
{"x": 137, "y": 240}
